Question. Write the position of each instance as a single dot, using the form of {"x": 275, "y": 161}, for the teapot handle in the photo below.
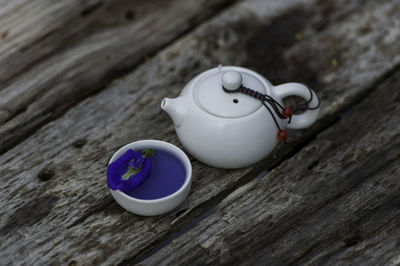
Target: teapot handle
{"x": 307, "y": 118}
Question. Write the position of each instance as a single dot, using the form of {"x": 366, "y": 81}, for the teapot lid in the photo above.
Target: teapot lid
{"x": 210, "y": 96}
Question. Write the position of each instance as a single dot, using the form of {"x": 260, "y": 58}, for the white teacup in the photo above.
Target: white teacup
{"x": 159, "y": 205}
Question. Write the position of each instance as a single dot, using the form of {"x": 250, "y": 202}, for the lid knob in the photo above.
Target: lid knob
{"x": 231, "y": 80}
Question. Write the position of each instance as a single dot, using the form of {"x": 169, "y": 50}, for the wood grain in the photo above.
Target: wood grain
{"x": 60, "y": 170}
{"x": 336, "y": 202}
{"x": 57, "y": 54}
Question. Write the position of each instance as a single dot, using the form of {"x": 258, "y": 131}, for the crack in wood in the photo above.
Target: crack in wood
{"x": 95, "y": 209}
{"x": 90, "y": 9}
{"x": 28, "y": 214}
{"x": 355, "y": 237}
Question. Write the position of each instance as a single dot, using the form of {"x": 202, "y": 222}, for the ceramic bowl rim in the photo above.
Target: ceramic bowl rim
{"x": 165, "y": 146}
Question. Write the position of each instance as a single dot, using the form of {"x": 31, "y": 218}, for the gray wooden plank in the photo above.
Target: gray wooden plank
{"x": 336, "y": 202}
{"x": 57, "y": 53}
{"x": 71, "y": 153}
{"x": 35, "y": 29}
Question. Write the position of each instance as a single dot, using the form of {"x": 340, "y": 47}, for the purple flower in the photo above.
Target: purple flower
{"x": 129, "y": 170}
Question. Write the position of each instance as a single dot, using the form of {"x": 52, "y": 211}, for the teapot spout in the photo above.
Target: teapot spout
{"x": 175, "y": 108}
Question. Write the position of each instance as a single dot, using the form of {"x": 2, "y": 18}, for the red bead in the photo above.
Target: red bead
{"x": 287, "y": 112}
{"x": 282, "y": 135}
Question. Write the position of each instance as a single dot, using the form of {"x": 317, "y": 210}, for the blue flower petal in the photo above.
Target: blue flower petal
{"x": 119, "y": 167}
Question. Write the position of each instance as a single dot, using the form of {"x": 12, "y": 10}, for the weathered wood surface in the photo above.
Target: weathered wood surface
{"x": 57, "y": 53}
{"x": 55, "y": 206}
{"x": 334, "y": 202}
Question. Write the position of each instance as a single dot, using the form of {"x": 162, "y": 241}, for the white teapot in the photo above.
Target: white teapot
{"x": 231, "y": 117}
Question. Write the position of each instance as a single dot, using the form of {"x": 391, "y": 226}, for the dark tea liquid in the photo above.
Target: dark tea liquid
{"x": 166, "y": 177}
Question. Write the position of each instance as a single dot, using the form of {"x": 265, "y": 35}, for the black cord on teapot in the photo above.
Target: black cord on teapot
{"x": 281, "y": 112}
